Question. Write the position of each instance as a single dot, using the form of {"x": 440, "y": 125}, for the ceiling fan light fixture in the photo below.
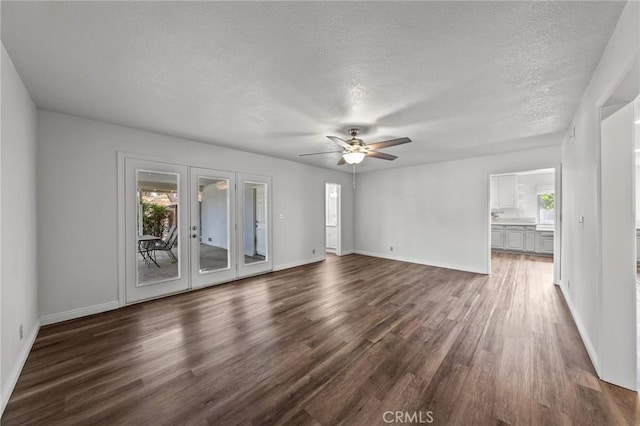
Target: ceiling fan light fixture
{"x": 353, "y": 157}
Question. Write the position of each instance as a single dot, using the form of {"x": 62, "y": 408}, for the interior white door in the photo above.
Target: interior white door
{"x": 254, "y": 224}
{"x": 332, "y": 217}
{"x": 156, "y": 222}
{"x": 212, "y": 230}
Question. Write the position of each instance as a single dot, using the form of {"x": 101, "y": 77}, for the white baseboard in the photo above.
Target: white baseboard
{"x": 298, "y": 263}
{"x": 346, "y": 252}
{"x": 419, "y": 262}
{"x": 14, "y": 374}
{"x": 583, "y": 332}
{"x": 80, "y": 312}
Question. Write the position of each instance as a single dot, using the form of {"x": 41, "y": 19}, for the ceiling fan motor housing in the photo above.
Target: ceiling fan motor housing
{"x": 356, "y": 143}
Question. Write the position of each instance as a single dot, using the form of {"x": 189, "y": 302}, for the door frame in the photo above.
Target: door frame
{"x": 339, "y": 218}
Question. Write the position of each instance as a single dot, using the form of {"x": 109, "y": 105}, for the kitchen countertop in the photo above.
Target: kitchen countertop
{"x": 548, "y": 228}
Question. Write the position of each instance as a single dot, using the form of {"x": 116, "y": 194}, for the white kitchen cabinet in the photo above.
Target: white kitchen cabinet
{"x": 507, "y": 186}
{"x": 504, "y": 193}
{"x": 525, "y": 238}
{"x": 497, "y": 237}
{"x": 529, "y": 238}
{"x": 544, "y": 242}
{"x": 493, "y": 194}
{"x": 514, "y": 238}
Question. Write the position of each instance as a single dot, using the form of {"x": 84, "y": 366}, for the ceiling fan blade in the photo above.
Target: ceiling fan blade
{"x": 341, "y": 162}
{"x": 318, "y": 153}
{"x": 340, "y": 142}
{"x": 391, "y": 142}
{"x": 381, "y": 155}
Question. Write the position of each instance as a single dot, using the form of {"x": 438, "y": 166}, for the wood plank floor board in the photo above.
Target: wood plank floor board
{"x": 336, "y": 342}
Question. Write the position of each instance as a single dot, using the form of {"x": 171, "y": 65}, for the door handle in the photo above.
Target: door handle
{"x": 194, "y": 236}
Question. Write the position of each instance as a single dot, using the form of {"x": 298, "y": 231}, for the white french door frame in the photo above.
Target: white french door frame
{"x": 240, "y": 270}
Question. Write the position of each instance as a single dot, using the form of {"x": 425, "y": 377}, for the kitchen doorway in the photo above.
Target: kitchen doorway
{"x": 524, "y": 214}
{"x": 332, "y": 218}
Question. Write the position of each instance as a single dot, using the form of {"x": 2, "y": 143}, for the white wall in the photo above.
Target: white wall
{"x": 77, "y": 164}
{"x": 18, "y": 223}
{"x": 215, "y": 216}
{"x": 582, "y": 260}
{"x": 436, "y": 214}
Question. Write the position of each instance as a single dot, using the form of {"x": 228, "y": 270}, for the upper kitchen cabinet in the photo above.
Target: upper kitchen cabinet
{"x": 504, "y": 194}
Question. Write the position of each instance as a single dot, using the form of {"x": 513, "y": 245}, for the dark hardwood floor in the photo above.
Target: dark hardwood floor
{"x": 337, "y": 342}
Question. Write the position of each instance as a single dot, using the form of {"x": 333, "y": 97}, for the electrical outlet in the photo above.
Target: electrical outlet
{"x": 313, "y": 251}
{"x": 210, "y": 239}
{"x": 21, "y": 332}
{"x": 391, "y": 248}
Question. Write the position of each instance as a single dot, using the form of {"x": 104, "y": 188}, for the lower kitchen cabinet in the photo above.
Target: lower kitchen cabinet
{"x": 529, "y": 238}
{"x": 545, "y": 242}
{"x": 514, "y": 238}
{"x": 497, "y": 237}
{"x": 524, "y": 238}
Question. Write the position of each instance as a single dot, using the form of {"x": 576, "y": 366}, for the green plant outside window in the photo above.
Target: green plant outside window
{"x": 546, "y": 208}
{"x": 154, "y": 219}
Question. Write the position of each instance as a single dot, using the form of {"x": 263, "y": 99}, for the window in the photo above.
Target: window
{"x": 546, "y": 208}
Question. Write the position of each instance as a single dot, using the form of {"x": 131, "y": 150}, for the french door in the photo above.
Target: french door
{"x": 213, "y": 242}
{"x": 254, "y": 217}
{"x": 188, "y": 227}
{"x": 156, "y": 229}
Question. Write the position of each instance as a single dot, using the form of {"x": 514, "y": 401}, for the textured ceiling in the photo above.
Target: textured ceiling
{"x": 460, "y": 78}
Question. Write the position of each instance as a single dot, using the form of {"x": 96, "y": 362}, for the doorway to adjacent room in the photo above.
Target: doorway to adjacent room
{"x": 525, "y": 214}
{"x": 332, "y": 218}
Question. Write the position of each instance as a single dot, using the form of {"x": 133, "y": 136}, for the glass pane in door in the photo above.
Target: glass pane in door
{"x": 213, "y": 202}
{"x": 157, "y": 227}
{"x": 255, "y": 222}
